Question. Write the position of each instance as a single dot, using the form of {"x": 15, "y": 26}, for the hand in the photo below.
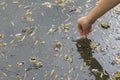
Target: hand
{"x": 84, "y": 26}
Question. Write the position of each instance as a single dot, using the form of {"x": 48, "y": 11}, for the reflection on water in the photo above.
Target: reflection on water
{"x": 85, "y": 50}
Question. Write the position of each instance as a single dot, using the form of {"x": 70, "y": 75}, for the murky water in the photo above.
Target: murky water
{"x": 37, "y": 32}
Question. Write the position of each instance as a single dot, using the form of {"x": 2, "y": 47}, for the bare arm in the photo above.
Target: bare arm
{"x": 102, "y": 7}
{"x": 85, "y": 22}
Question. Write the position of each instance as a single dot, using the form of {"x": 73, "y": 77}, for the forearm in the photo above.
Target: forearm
{"x": 102, "y": 7}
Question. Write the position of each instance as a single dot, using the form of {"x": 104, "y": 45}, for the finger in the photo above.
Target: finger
{"x": 84, "y": 34}
{"x": 90, "y": 30}
{"x": 80, "y": 29}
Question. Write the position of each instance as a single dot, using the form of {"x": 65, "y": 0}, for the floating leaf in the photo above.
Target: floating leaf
{"x": 12, "y": 23}
{"x": 94, "y": 45}
{"x": 3, "y": 44}
{"x": 20, "y": 63}
{"x": 19, "y": 35}
{"x": 2, "y": 3}
{"x": 117, "y": 59}
{"x": 116, "y": 75}
{"x": 9, "y": 65}
{"x": 28, "y": 12}
{"x": 36, "y": 42}
{"x": 42, "y": 42}
{"x": 38, "y": 64}
{"x": 26, "y": 7}
{"x": 66, "y": 57}
{"x": 51, "y": 30}
{"x": 28, "y": 18}
{"x": 24, "y": 30}
{"x": 4, "y": 74}
{"x": 71, "y": 70}
{"x": 32, "y": 59}
{"x": 47, "y": 4}
{"x": 22, "y": 38}
{"x": 66, "y": 28}
{"x": 95, "y": 71}
{"x": 105, "y": 26}
{"x": 52, "y": 72}
{"x": 15, "y": 2}
{"x": 58, "y": 46}
{"x": 31, "y": 30}
{"x": 1, "y": 35}
{"x": 56, "y": 76}
{"x": 102, "y": 49}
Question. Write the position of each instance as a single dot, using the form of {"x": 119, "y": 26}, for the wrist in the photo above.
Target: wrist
{"x": 90, "y": 19}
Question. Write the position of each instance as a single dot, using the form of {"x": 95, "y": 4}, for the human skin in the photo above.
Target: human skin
{"x": 85, "y": 22}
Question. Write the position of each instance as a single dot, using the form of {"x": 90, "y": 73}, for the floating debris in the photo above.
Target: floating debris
{"x": 1, "y": 35}
{"x": 28, "y": 12}
{"x": 116, "y": 75}
{"x": 20, "y": 63}
{"x": 105, "y": 26}
{"x": 62, "y": 3}
{"x": 42, "y": 42}
{"x": 9, "y": 65}
{"x": 68, "y": 58}
{"x": 94, "y": 45}
{"x": 28, "y": 18}
{"x": 31, "y": 30}
{"x": 12, "y": 23}
{"x": 4, "y": 74}
{"x": 116, "y": 10}
{"x": 71, "y": 70}
{"x": 102, "y": 49}
{"x": 52, "y": 72}
{"x": 58, "y": 46}
{"x": 59, "y": 1}
{"x": 38, "y": 64}
{"x": 66, "y": 28}
{"x": 42, "y": 14}
{"x": 19, "y": 35}
{"x": 36, "y": 42}
{"x": 47, "y": 4}
{"x": 117, "y": 60}
{"x": 15, "y": 2}
{"x": 51, "y": 30}
{"x": 72, "y": 10}
{"x": 95, "y": 70}
{"x": 23, "y": 37}
{"x": 32, "y": 59}
{"x": 56, "y": 77}
{"x": 27, "y": 7}
{"x": 2, "y": 44}
{"x": 24, "y": 30}
{"x": 2, "y": 3}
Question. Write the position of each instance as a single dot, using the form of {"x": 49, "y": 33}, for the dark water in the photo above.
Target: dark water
{"x": 52, "y": 44}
